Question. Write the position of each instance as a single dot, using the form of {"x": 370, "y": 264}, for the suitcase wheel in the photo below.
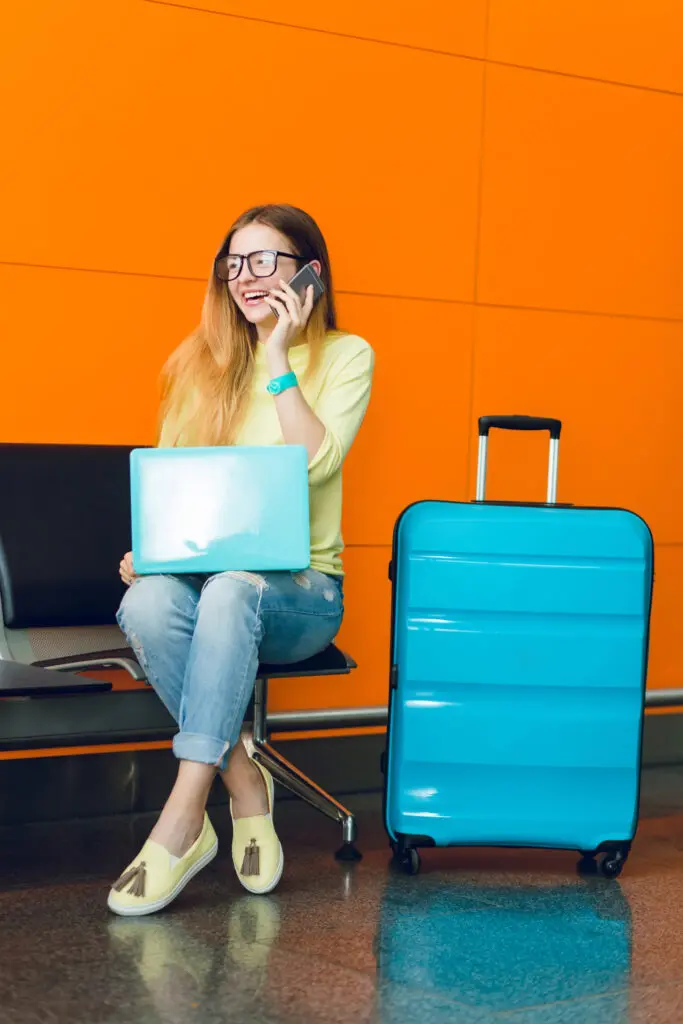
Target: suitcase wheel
{"x": 611, "y": 865}
{"x": 407, "y": 860}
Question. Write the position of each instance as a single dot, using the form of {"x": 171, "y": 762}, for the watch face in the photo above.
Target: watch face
{"x": 274, "y": 387}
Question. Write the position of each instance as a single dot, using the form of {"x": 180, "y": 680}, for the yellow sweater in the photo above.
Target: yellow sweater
{"x": 338, "y": 393}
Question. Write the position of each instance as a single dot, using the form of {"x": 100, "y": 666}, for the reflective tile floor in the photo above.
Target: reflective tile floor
{"x": 478, "y": 935}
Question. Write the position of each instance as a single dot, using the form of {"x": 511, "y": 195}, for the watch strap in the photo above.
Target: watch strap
{"x": 279, "y": 384}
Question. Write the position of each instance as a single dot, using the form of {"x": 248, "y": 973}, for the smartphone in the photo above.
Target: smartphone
{"x": 302, "y": 280}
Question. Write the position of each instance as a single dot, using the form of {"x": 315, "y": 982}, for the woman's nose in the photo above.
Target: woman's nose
{"x": 245, "y": 273}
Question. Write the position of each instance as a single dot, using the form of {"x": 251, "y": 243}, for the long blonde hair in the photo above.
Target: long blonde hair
{"x": 207, "y": 380}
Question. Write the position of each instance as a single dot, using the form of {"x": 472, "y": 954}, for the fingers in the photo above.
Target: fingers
{"x": 287, "y": 290}
{"x": 278, "y": 307}
{"x": 286, "y": 304}
{"x": 303, "y": 311}
{"x": 291, "y": 302}
{"x": 300, "y": 309}
{"x": 126, "y": 569}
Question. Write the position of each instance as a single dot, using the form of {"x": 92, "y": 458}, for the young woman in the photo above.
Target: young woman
{"x": 200, "y": 639}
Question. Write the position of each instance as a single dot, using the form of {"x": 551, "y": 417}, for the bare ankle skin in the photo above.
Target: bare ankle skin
{"x": 182, "y": 817}
{"x": 245, "y": 784}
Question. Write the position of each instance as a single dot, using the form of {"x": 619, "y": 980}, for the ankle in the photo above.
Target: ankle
{"x": 246, "y": 807}
{"x": 177, "y": 832}
{"x": 248, "y": 793}
{"x": 243, "y": 775}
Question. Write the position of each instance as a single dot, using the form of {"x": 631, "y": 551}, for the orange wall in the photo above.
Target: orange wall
{"x": 501, "y": 185}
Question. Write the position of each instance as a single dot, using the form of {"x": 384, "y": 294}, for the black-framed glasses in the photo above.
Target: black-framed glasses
{"x": 262, "y": 263}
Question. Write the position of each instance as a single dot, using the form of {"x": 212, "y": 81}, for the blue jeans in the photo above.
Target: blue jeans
{"x": 199, "y": 641}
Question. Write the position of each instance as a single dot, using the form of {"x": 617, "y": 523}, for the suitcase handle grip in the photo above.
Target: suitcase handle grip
{"x": 486, "y": 423}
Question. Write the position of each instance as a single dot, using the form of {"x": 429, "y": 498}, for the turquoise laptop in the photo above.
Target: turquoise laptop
{"x": 208, "y": 510}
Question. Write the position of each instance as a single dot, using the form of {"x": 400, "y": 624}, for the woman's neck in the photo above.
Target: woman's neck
{"x": 264, "y": 331}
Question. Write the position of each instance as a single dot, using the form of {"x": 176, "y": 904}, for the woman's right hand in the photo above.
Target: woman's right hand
{"x": 126, "y": 570}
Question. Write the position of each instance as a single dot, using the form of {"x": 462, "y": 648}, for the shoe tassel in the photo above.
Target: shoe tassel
{"x": 250, "y": 864}
{"x": 136, "y": 876}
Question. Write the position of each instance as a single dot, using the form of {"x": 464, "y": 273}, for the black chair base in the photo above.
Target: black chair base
{"x": 289, "y": 776}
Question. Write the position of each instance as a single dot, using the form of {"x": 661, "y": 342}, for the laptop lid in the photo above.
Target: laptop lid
{"x": 209, "y": 510}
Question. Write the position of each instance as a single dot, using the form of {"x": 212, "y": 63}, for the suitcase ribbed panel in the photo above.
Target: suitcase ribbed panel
{"x": 520, "y": 640}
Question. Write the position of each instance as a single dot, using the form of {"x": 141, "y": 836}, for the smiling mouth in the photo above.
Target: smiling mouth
{"x": 253, "y": 298}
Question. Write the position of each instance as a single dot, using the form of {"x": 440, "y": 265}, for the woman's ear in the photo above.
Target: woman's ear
{"x": 317, "y": 267}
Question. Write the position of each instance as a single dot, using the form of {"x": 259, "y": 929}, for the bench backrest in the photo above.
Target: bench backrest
{"x": 64, "y": 525}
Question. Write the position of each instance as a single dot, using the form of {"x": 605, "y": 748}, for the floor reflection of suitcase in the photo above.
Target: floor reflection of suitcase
{"x": 519, "y": 654}
{"x": 502, "y": 948}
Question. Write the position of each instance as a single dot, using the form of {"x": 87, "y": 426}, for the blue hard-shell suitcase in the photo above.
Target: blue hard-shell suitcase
{"x": 519, "y": 657}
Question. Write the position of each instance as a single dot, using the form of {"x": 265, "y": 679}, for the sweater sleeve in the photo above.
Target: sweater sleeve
{"x": 341, "y": 409}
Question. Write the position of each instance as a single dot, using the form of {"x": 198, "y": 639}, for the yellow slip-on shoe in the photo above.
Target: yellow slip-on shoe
{"x": 155, "y": 877}
{"x": 256, "y": 850}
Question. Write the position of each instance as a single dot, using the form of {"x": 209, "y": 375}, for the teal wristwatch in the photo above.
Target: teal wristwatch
{"x": 280, "y": 384}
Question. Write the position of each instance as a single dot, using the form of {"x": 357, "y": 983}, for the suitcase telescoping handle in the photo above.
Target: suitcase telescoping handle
{"x": 486, "y": 423}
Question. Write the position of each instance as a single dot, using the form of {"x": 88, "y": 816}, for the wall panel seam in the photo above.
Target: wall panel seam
{"x": 419, "y": 49}
{"x": 313, "y": 28}
{"x": 364, "y": 295}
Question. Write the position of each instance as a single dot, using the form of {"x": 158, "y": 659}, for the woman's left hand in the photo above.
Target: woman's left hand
{"x": 292, "y": 315}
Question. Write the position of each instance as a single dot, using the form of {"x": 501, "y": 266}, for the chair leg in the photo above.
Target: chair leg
{"x": 289, "y": 776}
